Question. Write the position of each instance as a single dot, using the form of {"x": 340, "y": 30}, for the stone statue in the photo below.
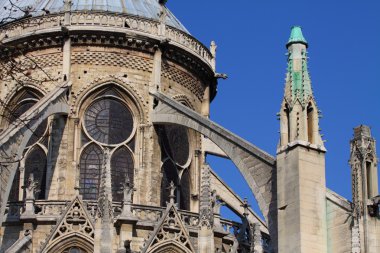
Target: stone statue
{"x": 31, "y": 188}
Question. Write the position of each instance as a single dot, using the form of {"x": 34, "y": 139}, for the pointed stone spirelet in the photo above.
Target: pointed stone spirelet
{"x": 298, "y": 82}
{"x": 296, "y": 36}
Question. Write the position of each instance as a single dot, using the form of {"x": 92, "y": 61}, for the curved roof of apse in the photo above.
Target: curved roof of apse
{"x": 11, "y": 10}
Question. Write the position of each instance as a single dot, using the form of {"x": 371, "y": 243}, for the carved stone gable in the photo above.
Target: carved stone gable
{"x": 169, "y": 231}
{"x": 75, "y": 221}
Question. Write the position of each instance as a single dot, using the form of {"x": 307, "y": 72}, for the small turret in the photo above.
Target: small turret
{"x": 299, "y": 113}
{"x": 363, "y": 163}
{"x": 301, "y": 185}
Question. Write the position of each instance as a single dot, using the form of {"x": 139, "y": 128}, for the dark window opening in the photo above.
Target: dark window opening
{"x": 121, "y": 166}
{"x": 184, "y": 203}
{"x": 310, "y": 124}
{"x": 90, "y": 170}
{"x": 369, "y": 180}
{"x": 36, "y": 163}
{"x": 169, "y": 174}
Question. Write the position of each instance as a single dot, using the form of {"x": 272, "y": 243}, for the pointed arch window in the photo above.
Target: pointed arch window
{"x": 107, "y": 124}
{"x": 175, "y": 144}
{"x": 310, "y": 123}
{"x": 122, "y": 166}
{"x": 19, "y": 105}
{"x": 169, "y": 174}
{"x": 36, "y": 163}
{"x": 90, "y": 171}
{"x": 35, "y": 158}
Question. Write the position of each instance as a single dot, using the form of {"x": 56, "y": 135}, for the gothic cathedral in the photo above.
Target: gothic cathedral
{"x": 105, "y": 127}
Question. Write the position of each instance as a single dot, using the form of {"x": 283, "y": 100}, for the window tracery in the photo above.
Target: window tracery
{"x": 107, "y": 123}
{"x": 35, "y": 156}
{"x": 90, "y": 164}
{"x": 175, "y": 144}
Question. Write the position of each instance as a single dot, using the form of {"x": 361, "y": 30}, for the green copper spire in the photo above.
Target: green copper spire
{"x": 298, "y": 83}
{"x": 296, "y": 36}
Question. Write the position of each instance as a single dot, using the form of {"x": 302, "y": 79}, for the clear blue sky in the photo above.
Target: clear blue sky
{"x": 344, "y": 51}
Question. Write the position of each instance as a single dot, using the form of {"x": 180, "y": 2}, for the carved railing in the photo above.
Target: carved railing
{"x": 50, "y": 208}
{"x": 30, "y": 25}
{"x": 230, "y": 227}
{"x": 43, "y": 208}
{"x": 145, "y": 214}
{"x": 141, "y": 212}
{"x": 233, "y": 228}
{"x": 149, "y": 27}
{"x": 189, "y": 42}
{"x": 190, "y": 219}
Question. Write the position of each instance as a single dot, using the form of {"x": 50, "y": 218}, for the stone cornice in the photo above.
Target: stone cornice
{"x": 112, "y": 30}
{"x": 304, "y": 144}
{"x": 338, "y": 200}
{"x": 105, "y": 22}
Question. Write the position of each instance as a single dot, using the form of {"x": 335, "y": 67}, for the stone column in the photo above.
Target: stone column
{"x": 66, "y": 71}
{"x": 104, "y": 224}
{"x": 126, "y": 221}
{"x": 206, "y": 233}
{"x": 157, "y": 68}
{"x": 256, "y": 244}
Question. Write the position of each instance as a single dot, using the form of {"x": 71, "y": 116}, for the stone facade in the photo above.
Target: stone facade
{"x": 105, "y": 129}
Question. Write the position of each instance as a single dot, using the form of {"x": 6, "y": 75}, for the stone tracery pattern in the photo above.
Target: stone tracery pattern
{"x": 175, "y": 144}
{"x": 75, "y": 221}
{"x": 35, "y": 159}
{"x": 169, "y": 229}
{"x": 109, "y": 122}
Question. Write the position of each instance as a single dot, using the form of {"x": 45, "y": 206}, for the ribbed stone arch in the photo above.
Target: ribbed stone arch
{"x": 170, "y": 246}
{"x": 14, "y": 139}
{"x": 257, "y": 167}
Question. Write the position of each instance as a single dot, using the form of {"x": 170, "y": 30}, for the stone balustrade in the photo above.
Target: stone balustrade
{"x": 124, "y": 22}
{"x": 143, "y": 213}
{"x": 47, "y": 210}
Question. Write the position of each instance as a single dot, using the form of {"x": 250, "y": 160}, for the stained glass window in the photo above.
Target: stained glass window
{"x": 36, "y": 163}
{"x": 176, "y": 143}
{"x": 35, "y": 160}
{"x": 121, "y": 166}
{"x": 109, "y": 121}
{"x": 176, "y": 148}
{"x": 90, "y": 170}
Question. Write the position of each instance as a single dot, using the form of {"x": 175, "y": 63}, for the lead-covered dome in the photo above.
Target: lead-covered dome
{"x": 16, "y": 9}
